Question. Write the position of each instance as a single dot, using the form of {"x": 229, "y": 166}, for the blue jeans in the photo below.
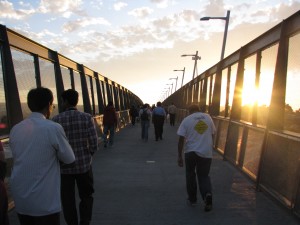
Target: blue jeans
{"x": 196, "y": 165}
{"x": 145, "y": 126}
{"x": 109, "y": 130}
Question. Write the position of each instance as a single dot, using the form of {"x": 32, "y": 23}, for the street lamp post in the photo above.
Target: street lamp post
{"x": 168, "y": 91}
{"x": 171, "y": 87}
{"x": 176, "y": 82}
{"x": 196, "y": 58}
{"x": 164, "y": 95}
{"x": 182, "y": 75}
{"x": 226, "y": 18}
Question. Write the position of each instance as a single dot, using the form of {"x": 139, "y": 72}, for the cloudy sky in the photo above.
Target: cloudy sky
{"x": 138, "y": 43}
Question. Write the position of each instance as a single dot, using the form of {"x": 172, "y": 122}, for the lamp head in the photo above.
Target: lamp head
{"x": 205, "y": 18}
{"x": 196, "y": 58}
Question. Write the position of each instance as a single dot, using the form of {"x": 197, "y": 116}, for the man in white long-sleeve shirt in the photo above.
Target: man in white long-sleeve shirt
{"x": 38, "y": 147}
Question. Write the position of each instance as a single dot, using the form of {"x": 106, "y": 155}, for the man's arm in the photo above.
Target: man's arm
{"x": 61, "y": 144}
{"x": 180, "y": 151}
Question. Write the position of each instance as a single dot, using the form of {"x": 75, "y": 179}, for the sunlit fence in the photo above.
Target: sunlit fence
{"x": 26, "y": 64}
{"x": 254, "y": 98}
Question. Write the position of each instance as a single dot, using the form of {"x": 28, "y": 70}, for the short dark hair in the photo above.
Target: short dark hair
{"x": 71, "y": 96}
{"x": 194, "y": 108}
{"x": 158, "y": 104}
{"x": 39, "y": 98}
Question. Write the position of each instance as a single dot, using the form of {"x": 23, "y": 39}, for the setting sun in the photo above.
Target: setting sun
{"x": 262, "y": 94}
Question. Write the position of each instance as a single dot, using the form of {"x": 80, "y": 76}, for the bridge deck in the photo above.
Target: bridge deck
{"x": 139, "y": 183}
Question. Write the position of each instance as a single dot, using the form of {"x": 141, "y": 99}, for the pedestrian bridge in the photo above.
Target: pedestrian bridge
{"x": 252, "y": 95}
{"x": 138, "y": 183}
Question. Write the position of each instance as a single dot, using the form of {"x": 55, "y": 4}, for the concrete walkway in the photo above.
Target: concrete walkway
{"x": 139, "y": 183}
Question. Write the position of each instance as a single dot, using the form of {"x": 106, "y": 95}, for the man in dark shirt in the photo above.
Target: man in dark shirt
{"x": 82, "y": 135}
{"x": 158, "y": 118}
{"x": 110, "y": 122}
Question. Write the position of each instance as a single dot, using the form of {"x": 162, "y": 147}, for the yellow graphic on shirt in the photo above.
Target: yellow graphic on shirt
{"x": 201, "y": 127}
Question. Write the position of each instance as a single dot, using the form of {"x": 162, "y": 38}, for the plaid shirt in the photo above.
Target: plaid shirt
{"x": 82, "y": 135}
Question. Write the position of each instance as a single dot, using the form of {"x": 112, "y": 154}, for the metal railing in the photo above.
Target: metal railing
{"x": 263, "y": 141}
{"x": 26, "y": 64}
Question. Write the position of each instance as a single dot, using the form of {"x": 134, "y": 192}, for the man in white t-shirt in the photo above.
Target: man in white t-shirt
{"x": 196, "y": 137}
{"x": 172, "y": 112}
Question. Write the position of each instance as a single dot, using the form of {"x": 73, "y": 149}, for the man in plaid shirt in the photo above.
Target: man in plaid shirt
{"x": 82, "y": 135}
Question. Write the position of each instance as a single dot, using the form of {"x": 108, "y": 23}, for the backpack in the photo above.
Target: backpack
{"x": 144, "y": 115}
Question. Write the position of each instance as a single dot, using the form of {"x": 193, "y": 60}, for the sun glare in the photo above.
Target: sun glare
{"x": 260, "y": 95}
{"x": 249, "y": 96}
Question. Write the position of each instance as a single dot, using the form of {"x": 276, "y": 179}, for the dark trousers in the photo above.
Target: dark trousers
{"x": 52, "y": 219}
{"x": 158, "y": 122}
{"x": 145, "y": 126}
{"x": 200, "y": 167}
{"x": 133, "y": 120}
{"x": 172, "y": 119}
{"x": 109, "y": 130}
{"x": 85, "y": 186}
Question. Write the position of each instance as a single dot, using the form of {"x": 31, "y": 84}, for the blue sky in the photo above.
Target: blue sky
{"x": 138, "y": 43}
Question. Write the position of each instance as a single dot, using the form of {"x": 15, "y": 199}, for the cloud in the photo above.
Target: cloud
{"x": 97, "y": 4}
{"x": 283, "y": 9}
{"x": 161, "y": 3}
{"x": 141, "y": 12}
{"x": 119, "y": 5}
{"x": 64, "y": 7}
{"x": 214, "y": 7}
{"x": 160, "y": 33}
{"x": 126, "y": 41}
{"x": 7, "y": 11}
{"x": 44, "y": 37}
{"x": 84, "y": 22}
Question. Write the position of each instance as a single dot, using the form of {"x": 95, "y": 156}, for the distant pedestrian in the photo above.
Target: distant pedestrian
{"x": 133, "y": 113}
{"x": 172, "y": 110}
{"x": 82, "y": 135}
{"x": 110, "y": 122}
{"x": 145, "y": 117}
{"x": 158, "y": 118}
{"x": 196, "y": 133}
{"x": 38, "y": 147}
{"x": 3, "y": 194}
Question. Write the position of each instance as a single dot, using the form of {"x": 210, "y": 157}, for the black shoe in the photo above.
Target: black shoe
{"x": 105, "y": 145}
{"x": 208, "y": 202}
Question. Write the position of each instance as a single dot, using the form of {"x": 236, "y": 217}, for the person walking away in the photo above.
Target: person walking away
{"x": 3, "y": 194}
{"x": 110, "y": 122}
{"x": 82, "y": 135}
{"x": 38, "y": 147}
{"x": 172, "y": 112}
{"x": 133, "y": 113}
{"x": 196, "y": 133}
{"x": 158, "y": 118}
{"x": 145, "y": 116}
